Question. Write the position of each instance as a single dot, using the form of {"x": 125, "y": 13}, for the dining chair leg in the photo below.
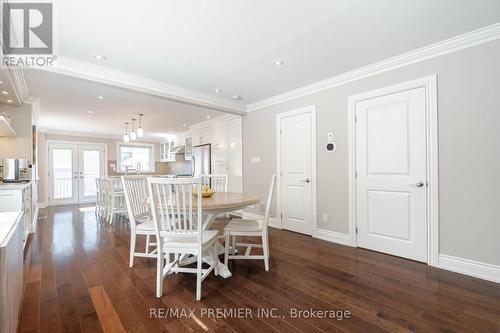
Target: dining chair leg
{"x": 226, "y": 248}
{"x": 132, "y": 249}
{"x": 215, "y": 259}
{"x": 147, "y": 244}
{"x": 198, "y": 277}
{"x": 265, "y": 247}
{"x": 159, "y": 274}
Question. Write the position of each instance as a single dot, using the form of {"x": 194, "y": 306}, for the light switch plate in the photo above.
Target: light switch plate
{"x": 330, "y": 136}
{"x": 255, "y": 159}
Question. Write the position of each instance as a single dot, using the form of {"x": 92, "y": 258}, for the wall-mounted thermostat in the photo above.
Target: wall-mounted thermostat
{"x": 331, "y": 146}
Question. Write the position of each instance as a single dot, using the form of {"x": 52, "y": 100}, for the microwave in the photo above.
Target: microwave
{"x": 16, "y": 170}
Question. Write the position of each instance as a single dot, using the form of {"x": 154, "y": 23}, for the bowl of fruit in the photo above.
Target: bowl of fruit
{"x": 206, "y": 191}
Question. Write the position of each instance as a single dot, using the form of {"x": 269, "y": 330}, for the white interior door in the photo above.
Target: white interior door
{"x": 73, "y": 169}
{"x": 91, "y": 165}
{"x": 295, "y": 142}
{"x": 391, "y": 174}
{"x": 63, "y": 173}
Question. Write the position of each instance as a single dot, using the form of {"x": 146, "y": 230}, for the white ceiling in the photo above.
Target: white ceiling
{"x": 65, "y": 102}
{"x": 201, "y": 45}
{"x": 231, "y": 45}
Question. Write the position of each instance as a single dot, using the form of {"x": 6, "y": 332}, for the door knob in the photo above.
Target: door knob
{"x": 307, "y": 180}
{"x": 420, "y": 184}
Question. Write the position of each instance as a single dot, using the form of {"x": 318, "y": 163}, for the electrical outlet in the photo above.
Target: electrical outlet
{"x": 325, "y": 217}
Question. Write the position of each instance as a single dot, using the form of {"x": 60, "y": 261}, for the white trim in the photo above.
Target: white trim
{"x": 334, "y": 237}
{"x": 86, "y": 134}
{"x": 430, "y": 85}
{"x": 473, "y": 268}
{"x": 274, "y": 222}
{"x": 457, "y": 43}
{"x": 152, "y": 158}
{"x": 43, "y": 205}
{"x": 87, "y": 71}
{"x": 312, "y": 110}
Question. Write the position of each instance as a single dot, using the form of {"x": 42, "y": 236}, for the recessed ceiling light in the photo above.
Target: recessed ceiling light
{"x": 5, "y": 92}
{"x": 9, "y": 101}
{"x": 237, "y": 98}
{"x": 99, "y": 57}
{"x": 90, "y": 111}
{"x": 218, "y": 91}
{"x": 100, "y": 97}
{"x": 184, "y": 125}
{"x": 208, "y": 117}
{"x": 1, "y": 82}
{"x": 278, "y": 63}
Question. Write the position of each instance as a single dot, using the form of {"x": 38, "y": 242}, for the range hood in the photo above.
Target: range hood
{"x": 178, "y": 149}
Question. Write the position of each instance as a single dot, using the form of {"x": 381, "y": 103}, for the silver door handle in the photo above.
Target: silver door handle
{"x": 420, "y": 184}
{"x": 307, "y": 180}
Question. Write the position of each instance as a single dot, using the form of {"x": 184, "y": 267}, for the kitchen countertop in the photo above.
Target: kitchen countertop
{"x": 14, "y": 186}
{"x": 7, "y": 222}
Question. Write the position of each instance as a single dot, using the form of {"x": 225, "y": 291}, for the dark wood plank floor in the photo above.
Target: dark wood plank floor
{"x": 78, "y": 279}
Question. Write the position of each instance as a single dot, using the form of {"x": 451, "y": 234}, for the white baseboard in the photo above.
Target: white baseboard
{"x": 470, "y": 267}
{"x": 274, "y": 222}
{"x": 334, "y": 237}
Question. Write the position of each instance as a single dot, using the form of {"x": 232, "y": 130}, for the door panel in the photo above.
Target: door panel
{"x": 90, "y": 168}
{"x": 63, "y": 174}
{"x": 390, "y": 162}
{"x": 296, "y": 172}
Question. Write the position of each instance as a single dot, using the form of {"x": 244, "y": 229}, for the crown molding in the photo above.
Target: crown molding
{"x": 213, "y": 121}
{"x": 87, "y": 71}
{"x": 94, "y": 135}
{"x": 19, "y": 85}
{"x": 470, "y": 39}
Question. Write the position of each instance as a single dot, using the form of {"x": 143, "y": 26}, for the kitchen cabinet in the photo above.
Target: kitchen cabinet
{"x": 11, "y": 269}
{"x": 166, "y": 151}
{"x": 188, "y": 149}
{"x": 18, "y": 197}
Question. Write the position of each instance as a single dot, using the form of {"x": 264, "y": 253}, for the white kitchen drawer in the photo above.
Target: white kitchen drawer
{"x": 11, "y": 200}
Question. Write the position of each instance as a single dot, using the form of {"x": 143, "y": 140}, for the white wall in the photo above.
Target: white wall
{"x": 469, "y": 148}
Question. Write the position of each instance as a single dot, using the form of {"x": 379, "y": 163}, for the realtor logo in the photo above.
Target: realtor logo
{"x": 27, "y": 28}
{"x": 27, "y": 35}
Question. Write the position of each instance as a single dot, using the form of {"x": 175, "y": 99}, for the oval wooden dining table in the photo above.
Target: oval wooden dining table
{"x": 223, "y": 203}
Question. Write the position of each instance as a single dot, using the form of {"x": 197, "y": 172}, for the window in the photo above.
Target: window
{"x": 132, "y": 155}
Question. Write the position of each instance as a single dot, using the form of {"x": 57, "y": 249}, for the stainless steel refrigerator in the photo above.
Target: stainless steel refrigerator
{"x": 201, "y": 160}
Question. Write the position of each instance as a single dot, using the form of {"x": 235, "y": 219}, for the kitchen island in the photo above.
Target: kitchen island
{"x": 11, "y": 269}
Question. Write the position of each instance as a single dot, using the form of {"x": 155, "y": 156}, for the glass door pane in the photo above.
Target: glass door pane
{"x": 62, "y": 171}
{"x": 91, "y": 171}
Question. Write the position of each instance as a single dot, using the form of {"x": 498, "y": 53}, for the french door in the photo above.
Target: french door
{"x": 73, "y": 169}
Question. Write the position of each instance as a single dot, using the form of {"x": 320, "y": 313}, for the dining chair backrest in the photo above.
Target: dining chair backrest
{"x": 136, "y": 195}
{"x": 269, "y": 201}
{"x": 217, "y": 182}
{"x": 175, "y": 212}
{"x": 98, "y": 189}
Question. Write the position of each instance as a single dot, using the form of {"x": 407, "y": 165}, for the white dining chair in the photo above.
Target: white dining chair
{"x": 217, "y": 182}
{"x": 141, "y": 223}
{"x": 250, "y": 228}
{"x": 99, "y": 202}
{"x": 114, "y": 198}
{"x": 179, "y": 229}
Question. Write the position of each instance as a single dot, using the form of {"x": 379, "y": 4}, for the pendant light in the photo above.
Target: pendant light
{"x": 126, "y": 138}
{"x": 133, "y": 136}
{"x": 140, "y": 131}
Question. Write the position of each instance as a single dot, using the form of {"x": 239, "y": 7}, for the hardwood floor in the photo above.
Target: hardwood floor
{"x": 78, "y": 279}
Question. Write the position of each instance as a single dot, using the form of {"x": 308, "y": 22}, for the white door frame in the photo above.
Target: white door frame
{"x": 311, "y": 110}
{"x": 47, "y": 178}
{"x": 430, "y": 85}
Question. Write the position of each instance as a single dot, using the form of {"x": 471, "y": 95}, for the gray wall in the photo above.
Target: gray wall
{"x": 469, "y": 148}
